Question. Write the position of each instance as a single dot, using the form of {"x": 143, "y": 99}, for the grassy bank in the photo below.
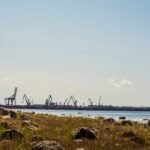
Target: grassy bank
{"x": 110, "y": 134}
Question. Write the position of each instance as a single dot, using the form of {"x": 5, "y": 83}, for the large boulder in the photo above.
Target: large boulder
{"x": 148, "y": 122}
{"x": 11, "y": 134}
{"x": 126, "y": 122}
{"x": 133, "y": 137}
{"x": 13, "y": 114}
{"x": 4, "y": 111}
{"x": 35, "y": 124}
{"x": 122, "y": 118}
{"x": 84, "y": 132}
{"x": 32, "y": 128}
{"x": 47, "y": 145}
{"x": 24, "y": 117}
{"x": 26, "y": 123}
{"x": 138, "y": 140}
{"x": 129, "y": 134}
{"x": 109, "y": 120}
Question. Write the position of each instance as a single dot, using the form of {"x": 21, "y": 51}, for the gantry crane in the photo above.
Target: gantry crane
{"x": 28, "y": 101}
{"x": 49, "y": 100}
{"x": 65, "y": 101}
{"x": 90, "y": 101}
{"x": 12, "y": 98}
{"x": 72, "y": 98}
{"x": 100, "y": 99}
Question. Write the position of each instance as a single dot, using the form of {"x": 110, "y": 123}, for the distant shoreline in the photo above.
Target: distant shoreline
{"x": 71, "y": 107}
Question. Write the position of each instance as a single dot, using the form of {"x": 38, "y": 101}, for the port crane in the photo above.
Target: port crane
{"x": 72, "y": 98}
{"x": 83, "y": 104}
{"x": 12, "y": 98}
{"x": 65, "y": 101}
{"x": 49, "y": 100}
{"x": 100, "y": 99}
{"x": 28, "y": 101}
{"x": 90, "y": 101}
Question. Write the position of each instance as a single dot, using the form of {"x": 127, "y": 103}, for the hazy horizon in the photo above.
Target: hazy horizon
{"x": 81, "y": 48}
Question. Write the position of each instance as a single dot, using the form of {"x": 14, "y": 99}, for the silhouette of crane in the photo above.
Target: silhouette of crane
{"x": 72, "y": 98}
{"x": 12, "y": 98}
{"x": 90, "y": 101}
{"x": 100, "y": 99}
{"x": 65, "y": 101}
{"x": 28, "y": 101}
{"x": 49, "y": 100}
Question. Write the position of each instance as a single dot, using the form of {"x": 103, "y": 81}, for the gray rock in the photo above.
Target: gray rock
{"x": 109, "y": 120}
{"x": 35, "y": 124}
{"x": 24, "y": 117}
{"x": 3, "y": 111}
{"x": 11, "y": 134}
{"x": 33, "y": 128}
{"x": 47, "y": 145}
{"x": 129, "y": 134}
{"x": 133, "y": 137}
{"x": 13, "y": 114}
{"x": 26, "y": 123}
{"x": 148, "y": 122}
{"x": 126, "y": 122}
{"x": 138, "y": 140}
{"x": 122, "y": 118}
{"x": 84, "y": 132}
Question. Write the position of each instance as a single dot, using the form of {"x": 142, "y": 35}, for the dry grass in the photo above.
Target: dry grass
{"x": 60, "y": 129}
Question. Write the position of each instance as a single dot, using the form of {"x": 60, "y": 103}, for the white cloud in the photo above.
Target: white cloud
{"x": 6, "y": 79}
{"x": 126, "y": 82}
{"x": 123, "y": 82}
{"x": 111, "y": 80}
{"x": 116, "y": 85}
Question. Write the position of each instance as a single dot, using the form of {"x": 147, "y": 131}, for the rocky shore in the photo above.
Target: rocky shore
{"x": 30, "y": 131}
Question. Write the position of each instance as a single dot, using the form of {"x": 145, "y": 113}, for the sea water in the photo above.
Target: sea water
{"x": 130, "y": 115}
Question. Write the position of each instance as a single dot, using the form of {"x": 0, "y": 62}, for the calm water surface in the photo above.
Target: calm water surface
{"x": 131, "y": 115}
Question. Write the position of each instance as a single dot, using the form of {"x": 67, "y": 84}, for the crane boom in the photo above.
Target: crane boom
{"x": 65, "y": 101}
{"x": 28, "y": 101}
{"x": 90, "y": 101}
{"x": 12, "y": 98}
{"x": 72, "y": 98}
{"x": 49, "y": 100}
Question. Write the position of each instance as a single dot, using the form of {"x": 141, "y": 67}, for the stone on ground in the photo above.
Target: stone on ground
{"x": 122, "y": 118}
{"x": 126, "y": 122}
{"x": 13, "y": 114}
{"x": 149, "y": 122}
{"x": 33, "y": 128}
{"x": 26, "y": 123}
{"x": 24, "y": 117}
{"x": 129, "y": 134}
{"x": 3, "y": 111}
{"x": 109, "y": 120}
{"x": 135, "y": 138}
{"x": 11, "y": 134}
{"x": 47, "y": 145}
{"x": 84, "y": 132}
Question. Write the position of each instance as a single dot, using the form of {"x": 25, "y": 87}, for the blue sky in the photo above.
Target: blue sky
{"x": 85, "y": 48}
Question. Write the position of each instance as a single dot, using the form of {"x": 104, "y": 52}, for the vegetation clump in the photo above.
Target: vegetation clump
{"x": 30, "y": 131}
